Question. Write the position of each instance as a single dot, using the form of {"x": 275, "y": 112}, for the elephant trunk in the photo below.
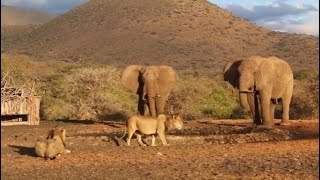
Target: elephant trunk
{"x": 152, "y": 106}
{"x": 243, "y": 92}
{"x": 244, "y": 101}
{"x": 151, "y": 91}
{"x": 160, "y": 103}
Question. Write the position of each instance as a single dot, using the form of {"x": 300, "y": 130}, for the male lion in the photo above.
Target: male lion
{"x": 145, "y": 125}
{"x": 54, "y": 146}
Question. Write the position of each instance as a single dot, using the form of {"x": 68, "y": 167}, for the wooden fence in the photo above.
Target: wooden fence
{"x": 19, "y": 106}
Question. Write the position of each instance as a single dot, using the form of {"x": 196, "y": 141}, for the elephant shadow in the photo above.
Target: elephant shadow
{"x": 115, "y": 117}
{"x": 23, "y": 150}
{"x": 76, "y": 121}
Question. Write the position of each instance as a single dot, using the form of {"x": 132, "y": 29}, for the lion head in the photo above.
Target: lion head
{"x": 174, "y": 121}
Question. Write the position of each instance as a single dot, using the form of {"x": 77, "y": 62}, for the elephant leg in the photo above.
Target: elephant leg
{"x": 257, "y": 109}
{"x": 146, "y": 111}
{"x": 265, "y": 98}
{"x": 141, "y": 105}
{"x": 286, "y": 99}
{"x": 160, "y": 103}
{"x": 272, "y": 108}
{"x": 254, "y": 107}
{"x": 152, "y": 107}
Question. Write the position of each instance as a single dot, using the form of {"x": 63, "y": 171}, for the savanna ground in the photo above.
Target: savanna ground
{"x": 203, "y": 149}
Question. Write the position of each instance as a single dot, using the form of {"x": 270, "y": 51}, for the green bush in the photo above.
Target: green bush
{"x": 305, "y": 99}
{"x": 199, "y": 98}
{"x": 302, "y": 75}
{"x": 87, "y": 93}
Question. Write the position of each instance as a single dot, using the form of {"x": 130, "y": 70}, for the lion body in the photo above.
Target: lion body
{"x": 54, "y": 146}
{"x": 40, "y": 148}
{"x": 143, "y": 125}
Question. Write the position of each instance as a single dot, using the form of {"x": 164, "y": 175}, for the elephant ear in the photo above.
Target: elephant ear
{"x": 167, "y": 79}
{"x": 231, "y": 73}
{"x": 130, "y": 77}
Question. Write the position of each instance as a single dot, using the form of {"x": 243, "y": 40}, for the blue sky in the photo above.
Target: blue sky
{"x": 294, "y": 16}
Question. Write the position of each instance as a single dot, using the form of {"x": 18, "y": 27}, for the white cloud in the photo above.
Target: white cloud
{"x": 294, "y": 16}
{"x": 277, "y": 9}
{"x": 310, "y": 25}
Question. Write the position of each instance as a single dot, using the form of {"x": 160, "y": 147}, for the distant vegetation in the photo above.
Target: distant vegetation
{"x": 93, "y": 92}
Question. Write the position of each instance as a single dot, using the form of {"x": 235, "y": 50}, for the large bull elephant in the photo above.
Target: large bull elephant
{"x": 249, "y": 101}
{"x": 262, "y": 81}
{"x": 153, "y": 85}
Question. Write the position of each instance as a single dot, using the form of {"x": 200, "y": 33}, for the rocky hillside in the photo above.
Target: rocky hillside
{"x": 187, "y": 34}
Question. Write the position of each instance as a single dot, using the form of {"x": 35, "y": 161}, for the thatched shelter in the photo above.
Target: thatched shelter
{"x": 19, "y": 105}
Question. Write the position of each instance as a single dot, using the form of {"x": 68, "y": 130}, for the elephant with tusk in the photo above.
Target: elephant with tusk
{"x": 262, "y": 81}
{"x": 153, "y": 84}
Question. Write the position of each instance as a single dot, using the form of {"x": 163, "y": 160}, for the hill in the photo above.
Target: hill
{"x": 187, "y": 34}
{"x": 11, "y": 15}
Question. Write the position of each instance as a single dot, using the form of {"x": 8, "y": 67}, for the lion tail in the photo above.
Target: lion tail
{"x": 125, "y": 132}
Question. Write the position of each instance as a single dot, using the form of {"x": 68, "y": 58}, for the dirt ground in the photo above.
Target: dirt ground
{"x": 203, "y": 149}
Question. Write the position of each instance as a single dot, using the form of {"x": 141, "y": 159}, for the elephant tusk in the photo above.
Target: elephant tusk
{"x": 246, "y": 91}
{"x": 144, "y": 97}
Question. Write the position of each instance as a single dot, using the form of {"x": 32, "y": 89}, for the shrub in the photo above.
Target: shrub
{"x": 87, "y": 93}
{"x": 302, "y": 75}
{"x": 202, "y": 97}
{"x": 305, "y": 99}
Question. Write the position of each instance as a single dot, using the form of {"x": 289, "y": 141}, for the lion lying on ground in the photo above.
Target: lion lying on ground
{"x": 55, "y": 145}
{"x": 144, "y": 125}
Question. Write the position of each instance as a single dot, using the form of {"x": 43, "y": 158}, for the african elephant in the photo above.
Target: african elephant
{"x": 153, "y": 85}
{"x": 248, "y": 101}
{"x": 262, "y": 81}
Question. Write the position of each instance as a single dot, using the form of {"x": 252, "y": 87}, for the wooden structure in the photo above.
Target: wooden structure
{"x": 19, "y": 106}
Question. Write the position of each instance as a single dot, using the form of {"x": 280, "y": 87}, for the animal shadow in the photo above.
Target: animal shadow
{"x": 225, "y": 124}
{"x": 24, "y": 150}
{"x": 115, "y": 137}
{"x": 76, "y": 121}
{"x": 115, "y": 117}
{"x": 112, "y": 124}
